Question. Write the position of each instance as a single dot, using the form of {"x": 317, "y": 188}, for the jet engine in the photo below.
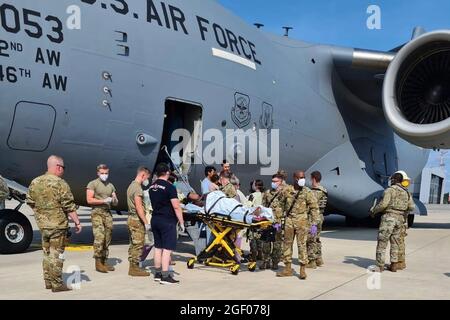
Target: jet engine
{"x": 416, "y": 91}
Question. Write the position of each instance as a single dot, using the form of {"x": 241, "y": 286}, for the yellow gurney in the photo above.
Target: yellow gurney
{"x": 222, "y": 252}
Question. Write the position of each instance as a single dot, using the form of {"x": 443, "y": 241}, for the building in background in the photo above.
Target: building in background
{"x": 434, "y": 181}
{"x": 432, "y": 186}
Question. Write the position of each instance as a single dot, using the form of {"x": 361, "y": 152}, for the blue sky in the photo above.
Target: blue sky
{"x": 344, "y": 23}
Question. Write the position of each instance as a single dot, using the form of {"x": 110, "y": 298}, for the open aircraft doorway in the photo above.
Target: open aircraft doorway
{"x": 185, "y": 115}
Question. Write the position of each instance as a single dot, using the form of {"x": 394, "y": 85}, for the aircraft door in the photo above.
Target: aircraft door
{"x": 32, "y": 126}
{"x": 181, "y": 134}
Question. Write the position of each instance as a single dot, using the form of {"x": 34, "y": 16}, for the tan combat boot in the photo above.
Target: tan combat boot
{"x": 401, "y": 265}
{"x": 135, "y": 271}
{"x": 48, "y": 285}
{"x": 311, "y": 265}
{"x": 287, "y": 271}
{"x": 394, "y": 267}
{"x": 100, "y": 267}
{"x": 319, "y": 262}
{"x": 107, "y": 266}
{"x": 302, "y": 272}
{"x": 61, "y": 288}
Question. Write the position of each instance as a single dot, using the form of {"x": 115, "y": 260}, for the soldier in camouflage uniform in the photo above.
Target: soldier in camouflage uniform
{"x": 4, "y": 193}
{"x": 272, "y": 250}
{"x": 52, "y": 202}
{"x": 403, "y": 233}
{"x": 101, "y": 195}
{"x": 138, "y": 224}
{"x": 314, "y": 244}
{"x": 254, "y": 236}
{"x": 395, "y": 203}
{"x": 301, "y": 217}
{"x": 227, "y": 187}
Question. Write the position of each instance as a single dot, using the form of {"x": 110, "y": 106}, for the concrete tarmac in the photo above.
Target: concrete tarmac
{"x": 348, "y": 253}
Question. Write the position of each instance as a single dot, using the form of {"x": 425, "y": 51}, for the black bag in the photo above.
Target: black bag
{"x": 268, "y": 235}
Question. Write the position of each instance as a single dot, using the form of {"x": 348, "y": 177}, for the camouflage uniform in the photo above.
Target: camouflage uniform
{"x": 272, "y": 251}
{"x": 313, "y": 244}
{"x": 395, "y": 203}
{"x": 51, "y": 200}
{"x": 229, "y": 191}
{"x": 136, "y": 227}
{"x": 403, "y": 235}
{"x": 304, "y": 213}
{"x": 149, "y": 239}
{"x": 4, "y": 192}
{"x": 102, "y": 220}
{"x": 254, "y": 236}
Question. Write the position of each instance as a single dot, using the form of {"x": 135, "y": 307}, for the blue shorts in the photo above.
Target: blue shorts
{"x": 164, "y": 233}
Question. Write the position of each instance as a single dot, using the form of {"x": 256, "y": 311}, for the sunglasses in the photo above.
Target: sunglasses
{"x": 61, "y": 166}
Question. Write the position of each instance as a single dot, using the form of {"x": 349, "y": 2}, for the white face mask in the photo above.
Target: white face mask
{"x": 302, "y": 183}
{"x": 104, "y": 177}
{"x": 146, "y": 183}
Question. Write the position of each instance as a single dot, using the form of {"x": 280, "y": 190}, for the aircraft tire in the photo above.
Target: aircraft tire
{"x": 16, "y": 233}
{"x": 351, "y": 222}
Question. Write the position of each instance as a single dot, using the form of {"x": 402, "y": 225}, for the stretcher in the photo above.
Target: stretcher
{"x": 222, "y": 251}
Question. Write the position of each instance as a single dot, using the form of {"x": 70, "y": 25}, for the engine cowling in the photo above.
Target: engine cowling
{"x": 416, "y": 91}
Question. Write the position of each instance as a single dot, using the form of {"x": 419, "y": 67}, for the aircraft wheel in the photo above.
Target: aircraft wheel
{"x": 16, "y": 232}
{"x": 191, "y": 263}
{"x": 351, "y": 222}
{"x": 411, "y": 218}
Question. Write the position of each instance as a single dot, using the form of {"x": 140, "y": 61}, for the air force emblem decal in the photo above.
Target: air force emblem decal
{"x": 241, "y": 111}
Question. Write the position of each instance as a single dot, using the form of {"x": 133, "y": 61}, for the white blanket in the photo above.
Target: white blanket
{"x": 217, "y": 203}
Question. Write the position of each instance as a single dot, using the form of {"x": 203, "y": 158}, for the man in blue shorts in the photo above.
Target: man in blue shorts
{"x": 166, "y": 215}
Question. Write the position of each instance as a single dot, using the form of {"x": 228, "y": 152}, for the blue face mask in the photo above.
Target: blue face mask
{"x": 175, "y": 184}
{"x": 274, "y": 186}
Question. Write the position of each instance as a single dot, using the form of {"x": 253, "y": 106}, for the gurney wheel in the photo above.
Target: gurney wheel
{"x": 235, "y": 269}
{"x": 252, "y": 266}
{"x": 191, "y": 263}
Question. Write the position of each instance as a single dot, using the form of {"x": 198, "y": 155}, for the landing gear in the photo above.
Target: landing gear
{"x": 351, "y": 222}
{"x": 16, "y": 232}
{"x": 366, "y": 222}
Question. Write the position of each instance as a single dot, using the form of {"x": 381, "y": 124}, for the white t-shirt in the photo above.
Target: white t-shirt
{"x": 205, "y": 186}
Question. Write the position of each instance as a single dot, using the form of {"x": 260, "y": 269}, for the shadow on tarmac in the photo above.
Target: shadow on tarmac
{"x": 359, "y": 262}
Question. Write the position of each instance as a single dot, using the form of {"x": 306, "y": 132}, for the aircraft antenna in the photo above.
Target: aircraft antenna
{"x": 287, "y": 29}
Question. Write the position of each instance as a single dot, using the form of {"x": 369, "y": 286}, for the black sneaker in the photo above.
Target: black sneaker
{"x": 158, "y": 277}
{"x": 168, "y": 280}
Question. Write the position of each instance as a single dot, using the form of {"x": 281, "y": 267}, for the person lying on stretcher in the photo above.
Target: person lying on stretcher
{"x": 219, "y": 205}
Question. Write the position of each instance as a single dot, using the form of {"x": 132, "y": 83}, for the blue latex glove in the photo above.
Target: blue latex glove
{"x": 313, "y": 230}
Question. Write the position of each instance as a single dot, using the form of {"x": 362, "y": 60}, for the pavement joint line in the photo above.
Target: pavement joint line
{"x": 360, "y": 276}
{"x": 427, "y": 245}
{"x": 339, "y": 286}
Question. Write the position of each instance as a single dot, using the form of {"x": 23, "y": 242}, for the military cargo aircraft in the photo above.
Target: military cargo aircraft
{"x": 108, "y": 81}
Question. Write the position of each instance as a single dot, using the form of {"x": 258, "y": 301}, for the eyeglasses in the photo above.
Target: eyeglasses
{"x": 61, "y": 166}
